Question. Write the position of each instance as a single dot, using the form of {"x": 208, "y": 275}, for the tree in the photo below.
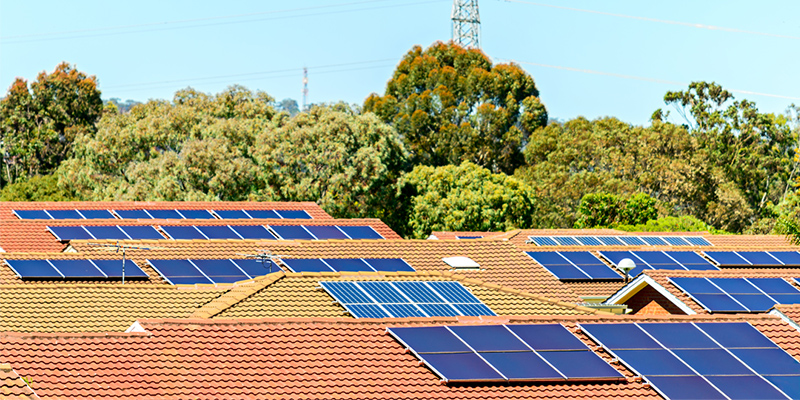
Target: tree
{"x": 39, "y": 124}
{"x": 451, "y": 105}
{"x": 36, "y": 188}
{"x": 467, "y": 197}
{"x": 290, "y": 106}
{"x": 606, "y": 210}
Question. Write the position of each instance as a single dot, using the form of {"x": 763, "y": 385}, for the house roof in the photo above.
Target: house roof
{"x": 299, "y": 295}
{"x": 661, "y": 278}
{"x": 294, "y": 358}
{"x": 12, "y": 386}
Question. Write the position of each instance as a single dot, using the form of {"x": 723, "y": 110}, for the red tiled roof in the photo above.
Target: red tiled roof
{"x": 12, "y": 386}
{"x": 293, "y": 358}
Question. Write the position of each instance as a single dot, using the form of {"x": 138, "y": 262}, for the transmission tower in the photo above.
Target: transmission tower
{"x": 305, "y": 88}
{"x": 466, "y": 23}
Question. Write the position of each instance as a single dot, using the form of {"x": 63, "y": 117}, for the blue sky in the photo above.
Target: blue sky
{"x": 584, "y": 60}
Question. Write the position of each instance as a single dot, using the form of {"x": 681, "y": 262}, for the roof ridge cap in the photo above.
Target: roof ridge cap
{"x": 236, "y": 295}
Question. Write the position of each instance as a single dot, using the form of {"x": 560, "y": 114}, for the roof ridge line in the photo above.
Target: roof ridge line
{"x": 241, "y": 291}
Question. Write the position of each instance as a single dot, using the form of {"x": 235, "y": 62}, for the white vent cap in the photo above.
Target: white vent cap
{"x": 460, "y": 262}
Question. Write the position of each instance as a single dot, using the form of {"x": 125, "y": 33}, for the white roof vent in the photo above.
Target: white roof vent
{"x": 461, "y": 262}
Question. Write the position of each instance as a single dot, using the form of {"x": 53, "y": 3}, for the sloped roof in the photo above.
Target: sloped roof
{"x": 661, "y": 277}
{"x": 94, "y": 308}
{"x": 293, "y": 358}
{"x": 12, "y": 386}
{"x": 299, "y": 295}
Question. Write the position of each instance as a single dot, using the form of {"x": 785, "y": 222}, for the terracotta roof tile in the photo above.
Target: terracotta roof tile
{"x": 12, "y": 386}
{"x": 791, "y": 311}
{"x": 292, "y": 358}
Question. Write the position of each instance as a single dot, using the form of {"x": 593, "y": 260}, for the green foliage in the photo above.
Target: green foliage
{"x": 684, "y": 223}
{"x": 36, "y": 188}
{"x": 38, "y": 125}
{"x": 466, "y": 198}
{"x": 603, "y": 210}
{"x": 451, "y": 105}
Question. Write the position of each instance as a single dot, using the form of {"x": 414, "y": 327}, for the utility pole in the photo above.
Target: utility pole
{"x": 305, "y": 88}
{"x": 466, "y": 23}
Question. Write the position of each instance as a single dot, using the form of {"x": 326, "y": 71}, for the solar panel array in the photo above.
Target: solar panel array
{"x": 619, "y": 241}
{"x": 574, "y": 265}
{"x": 702, "y": 360}
{"x": 346, "y": 264}
{"x": 504, "y": 353}
{"x": 203, "y": 271}
{"x": 204, "y": 232}
{"x": 162, "y": 214}
{"x": 401, "y": 299}
{"x": 75, "y": 269}
{"x": 469, "y": 237}
{"x": 675, "y": 260}
{"x": 754, "y": 258}
{"x": 738, "y": 294}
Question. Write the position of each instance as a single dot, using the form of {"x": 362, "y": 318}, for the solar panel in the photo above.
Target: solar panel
{"x": 691, "y": 260}
{"x": 111, "y": 232}
{"x": 591, "y": 265}
{"x": 113, "y": 269}
{"x": 291, "y": 232}
{"x": 588, "y": 240}
{"x": 64, "y": 233}
{"x": 182, "y": 232}
{"x": 574, "y": 265}
{"x": 610, "y": 241}
{"x": 138, "y": 232}
{"x": 760, "y": 258}
{"x": 196, "y": 214}
{"x": 389, "y": 264}
{"x": 360, "y": 232}
{"x": 348, "y": 264}
{"x": 97, "y": 214}
{"x": 545, "y": 337}
{"x": 179, "y": 272}
{"x": 614, "y": 257}
{"x": 72, "y": 269}
{"x": 306, "y": 265}
{"x": 255, "y": 267}
{"x": 726, "y": 258}
{"x": 469, "y": 237}
{"x": 253, "y": 232}
{"x": 293, "y": 214}
{"x": 33, "y": 269}
{"x": 658, "y": 260}
{"x": 543, "y": 240}
{"x": 499, "y": 353}
{"x": 32, "y": 214}
{"x": 737, "y": 360}
{"x": 738, "y": 294}
{"x": 566, "y": 241}
{"x": 232, "y": 214}
{"x": 217, "y": 232}
{"x": 133, "y": 214}
{"x": 632, "y": 240}
{"x": 220, "y": 271}
{"x": 65, "y": 214}
{"x": 165, "y": 214}
{"x": 676, "y": 241}
{"x": 654, "y": 240}
{"x": 788, "y": 258}
{"x": 263, "y": 214}
{"x": 697, "y": 241}
{"x": 323, "y": 232}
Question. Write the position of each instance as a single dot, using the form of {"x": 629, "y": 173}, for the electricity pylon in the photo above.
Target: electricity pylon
{"x": 466, "y": 23}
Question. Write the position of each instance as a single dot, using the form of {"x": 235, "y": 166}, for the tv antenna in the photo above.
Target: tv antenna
{"x": 266, "y": 257}
{"x": 116, "y": 247}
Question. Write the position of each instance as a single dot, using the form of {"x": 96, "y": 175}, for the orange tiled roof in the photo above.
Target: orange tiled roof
{"x": 293, "y": 358}
{"x": 7, "y": 207}
{"x": 94, "y": 308}
{"x": 12, "y": 386}
{"x": 291, "y": 295}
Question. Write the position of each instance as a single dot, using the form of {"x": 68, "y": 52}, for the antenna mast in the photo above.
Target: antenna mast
{"x": 305, "y": 88}
{"x": 466, "y": 23}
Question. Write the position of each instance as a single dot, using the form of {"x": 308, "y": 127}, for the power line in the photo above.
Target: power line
{"x": 10, "y": 40}
{"x": 663, "y": 21}
{"x": 641, "y": 78}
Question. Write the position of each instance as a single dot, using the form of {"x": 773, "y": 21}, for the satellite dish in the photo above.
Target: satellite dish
{"x": 626, "y": 265}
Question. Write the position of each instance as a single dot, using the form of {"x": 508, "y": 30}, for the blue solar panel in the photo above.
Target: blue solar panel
{"x": 786, "y": 298}
{"x": 196, "y": 214}
{"x": 263, "y": 214}
{"x": 382, "y": 292}
{"x": 33, "y": 269}
{"x": 489, "y": 338}
{"x": 772, "y": 361}
{"x": 588, "y": 240}
{"x": 253, "y": 232}
{"x": 306, "y": 265}
{"x": 220, "y": 271}
{"x": 347, "y": 293}
{"x": 653, "y": 362}
{"x": 610, "y": 241}
{"x": 620, "y": 336}
{"x": 691, "y": 260}
{"x": 389, "y": 264}
{"x": 72, "y": 269}
{"x": 580, "y": 365}
{"x": 685, "y": 388}
{"x": 755, "y": 302}
{"x": 543, "y": 240}
{"x": 697, "y": 241}
{"x": 291, "y": 232}
{"x": 695, "y": 285}
{"x": 591, "y": 265}
{"x": 257, "y": 267}
{"x": 718, "y": 303}
{"x": 679, "y": 336}
{"x": 461, "y": 367}
{"x": 469, "y": 237}
{"x": 760, "y": 258}
{"x": 348, "y": 264}
{"x": 654, "y": 240}
{"x": 184, "y": 232}
{"x": 293, "y": 214}
{"x": 453, "y": 292}
{"x": 323, "y": 232}
{"x": 614, "y": 257}
{"x": 735, "y": 334}
{"x": 32, "y": 214}
{"x": 547, "y": 337}
{"x": 164, "y": 214}
{"x": 360, "y": 232}
{"x": 403, "y": 310}
{"x": 113, "y": 269}
{"x": 217, "y": 232}
{"x": 745, "y": 387}
{"x": 566, "y": 241}
{"x": 418, "y": 292}
{"x": 438, "y": 310}
{"x": 632, "y": 240}
{"x": 676, "y": 241}
{"x": 107, "y": 232}
{"x": 726, "y": 258}
{"x": 738, "y": 294}
{"x": 141, "y": 232}
{"x": 658, "y": 260}
{"x": 558, "y": 265}
{"x": 232, "y": 214}
{"x": 133, "y": 214}
{"x": 179, "y": 272}
{"x": 522, "y": 366}
{"x": 367, "y": 311}
{"x": 64, "y": 214}
{"x": 97, "y": 214}
{"x": 790, "y": 385}
{"x": 788, "y": 258}
{"x": 734, "y": 285}
{"x": 64, "y": 233}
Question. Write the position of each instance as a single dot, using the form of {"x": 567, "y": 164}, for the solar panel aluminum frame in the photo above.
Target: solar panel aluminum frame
{"x": 73, "y": 226}
{"x": 41, "y": 277}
